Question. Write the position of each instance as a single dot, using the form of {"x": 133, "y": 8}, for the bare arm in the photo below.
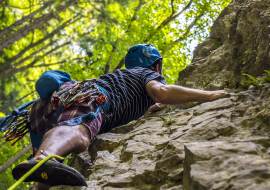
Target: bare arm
{"x": 173, "y": 94}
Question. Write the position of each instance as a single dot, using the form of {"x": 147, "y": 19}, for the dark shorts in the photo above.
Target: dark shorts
{"x": 75, "y": 111}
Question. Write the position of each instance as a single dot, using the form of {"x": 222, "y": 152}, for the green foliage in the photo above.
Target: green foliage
{"x": 150, "y": 22}
{"x": 7, "y": 152}
{"x": 168, "y": 121}
{"x": 256, "y": 81}
{"x": 253, "y": 81}
{"x": 266, "y": 79}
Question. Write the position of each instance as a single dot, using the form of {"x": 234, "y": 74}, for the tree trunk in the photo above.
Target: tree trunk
{"x": 15, "y": 158}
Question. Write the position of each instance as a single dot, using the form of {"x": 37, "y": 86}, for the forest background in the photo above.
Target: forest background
{"x": 88, "y": 38}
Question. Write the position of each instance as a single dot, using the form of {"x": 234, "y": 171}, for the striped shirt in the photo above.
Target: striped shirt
{"x": 127, "y": 96}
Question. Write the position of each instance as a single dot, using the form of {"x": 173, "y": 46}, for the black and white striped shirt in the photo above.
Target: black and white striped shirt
{"x": 127, "y": 96}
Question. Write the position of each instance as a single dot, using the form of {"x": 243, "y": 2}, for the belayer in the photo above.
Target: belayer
{"x": 69, "y": 114}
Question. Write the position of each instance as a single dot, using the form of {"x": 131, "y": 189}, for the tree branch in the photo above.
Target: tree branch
{"x": 24, "y": 19}
{"x": 16, "y": 7}
{"x": 162, "y": 25}
{"x": 8, "y": 62}
{"x": 38, "y": 22}
{"x": 14, "y": 71}
{"x": 114, "y": 47}
{"x": 30, "y": 56}
{"x": 14, "y": 103}
{"x": 107, "y": 68}
{"x": 185, "y": 34}
{"x": 168, "y": 20}
{"x": 60, "y": 62}
{"x": 173, "y": 11}
{"x": 189, "y": 28}
{"x": 15, "y": 158}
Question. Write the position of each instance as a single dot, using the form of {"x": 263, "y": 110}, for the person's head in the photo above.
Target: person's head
{"x": 144, "y": 55}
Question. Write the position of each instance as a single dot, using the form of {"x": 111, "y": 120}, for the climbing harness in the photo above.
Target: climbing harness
{"x": 84, "y": 94}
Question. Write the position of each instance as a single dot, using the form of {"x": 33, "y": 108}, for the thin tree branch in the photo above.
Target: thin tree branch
{"x": 16, "y": 7}
{"x": 24, "y": 19}
{"x": 185, "y": 34}
{"x": 105, "y": 15}
{"x": 8, "y": 62}
{"x": 162, "y": 25}
{"x": 173, "y": 11}
{"x": 38, "y": 22}
{"x": 15, "y": 158}
{"x": 14, "y": 71}
{"x": 168, "y": 20}
{"x": 121, "y": 63}
{"x": 14, "y": 103}
{"x": 57, "y": 63}
{"x": 30, "y": 56}
{"x": 107, "y": 68}
{"x": 189, "y": 28}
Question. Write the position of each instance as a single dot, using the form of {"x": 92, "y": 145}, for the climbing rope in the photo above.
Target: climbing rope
{"x": 34, "y": 169}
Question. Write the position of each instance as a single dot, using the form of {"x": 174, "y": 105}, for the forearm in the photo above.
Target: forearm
{"x": 173, "y": 94}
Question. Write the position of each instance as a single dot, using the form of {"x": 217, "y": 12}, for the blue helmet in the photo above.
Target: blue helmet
{"x": 142, "y": 55}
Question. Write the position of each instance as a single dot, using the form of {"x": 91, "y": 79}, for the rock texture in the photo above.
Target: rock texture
{"x": 239, "y": 43}
{"x": 221, "y": 145}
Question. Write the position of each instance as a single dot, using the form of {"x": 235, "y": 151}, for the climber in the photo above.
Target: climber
{"x": 130, "y": 93}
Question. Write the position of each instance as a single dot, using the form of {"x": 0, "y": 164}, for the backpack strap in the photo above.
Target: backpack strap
{"x": 35, "y": 139}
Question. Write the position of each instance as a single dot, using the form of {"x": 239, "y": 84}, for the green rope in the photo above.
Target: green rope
{"x": 34, "y": 169}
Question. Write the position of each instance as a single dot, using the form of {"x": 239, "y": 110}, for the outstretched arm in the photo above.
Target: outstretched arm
{"x": 173, "y": 94}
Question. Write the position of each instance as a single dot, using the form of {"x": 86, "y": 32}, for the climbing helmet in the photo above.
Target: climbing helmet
{"x": 142, "y": 55}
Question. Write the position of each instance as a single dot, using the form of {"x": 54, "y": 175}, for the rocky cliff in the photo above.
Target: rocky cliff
{"x": 222, "y": 144}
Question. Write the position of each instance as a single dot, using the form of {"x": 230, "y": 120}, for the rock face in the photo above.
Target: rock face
{"x": 239, "y": 43}
{"x": 222, "y": 144}
{"x": 218, "y": 145}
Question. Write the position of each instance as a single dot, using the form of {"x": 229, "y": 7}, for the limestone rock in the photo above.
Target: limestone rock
{"x": 81, "y": 162}
{"x": 239, "y": 43}
{"x": 225, "y": 165}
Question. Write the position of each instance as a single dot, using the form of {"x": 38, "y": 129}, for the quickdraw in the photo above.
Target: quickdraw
{"x": 17, "y": 125}
{"x": 82, "y": 93}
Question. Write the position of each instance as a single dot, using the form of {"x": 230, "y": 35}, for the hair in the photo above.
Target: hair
{"x": 157, "y": 62}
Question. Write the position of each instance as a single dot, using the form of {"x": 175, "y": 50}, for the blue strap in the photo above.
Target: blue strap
{"x": 58, "y": 111}
{"x": 35, "y": 138}
{"x": 83, "y": 118}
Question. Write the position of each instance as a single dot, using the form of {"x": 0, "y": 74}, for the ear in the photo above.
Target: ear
{"x": 157, "y": 68}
